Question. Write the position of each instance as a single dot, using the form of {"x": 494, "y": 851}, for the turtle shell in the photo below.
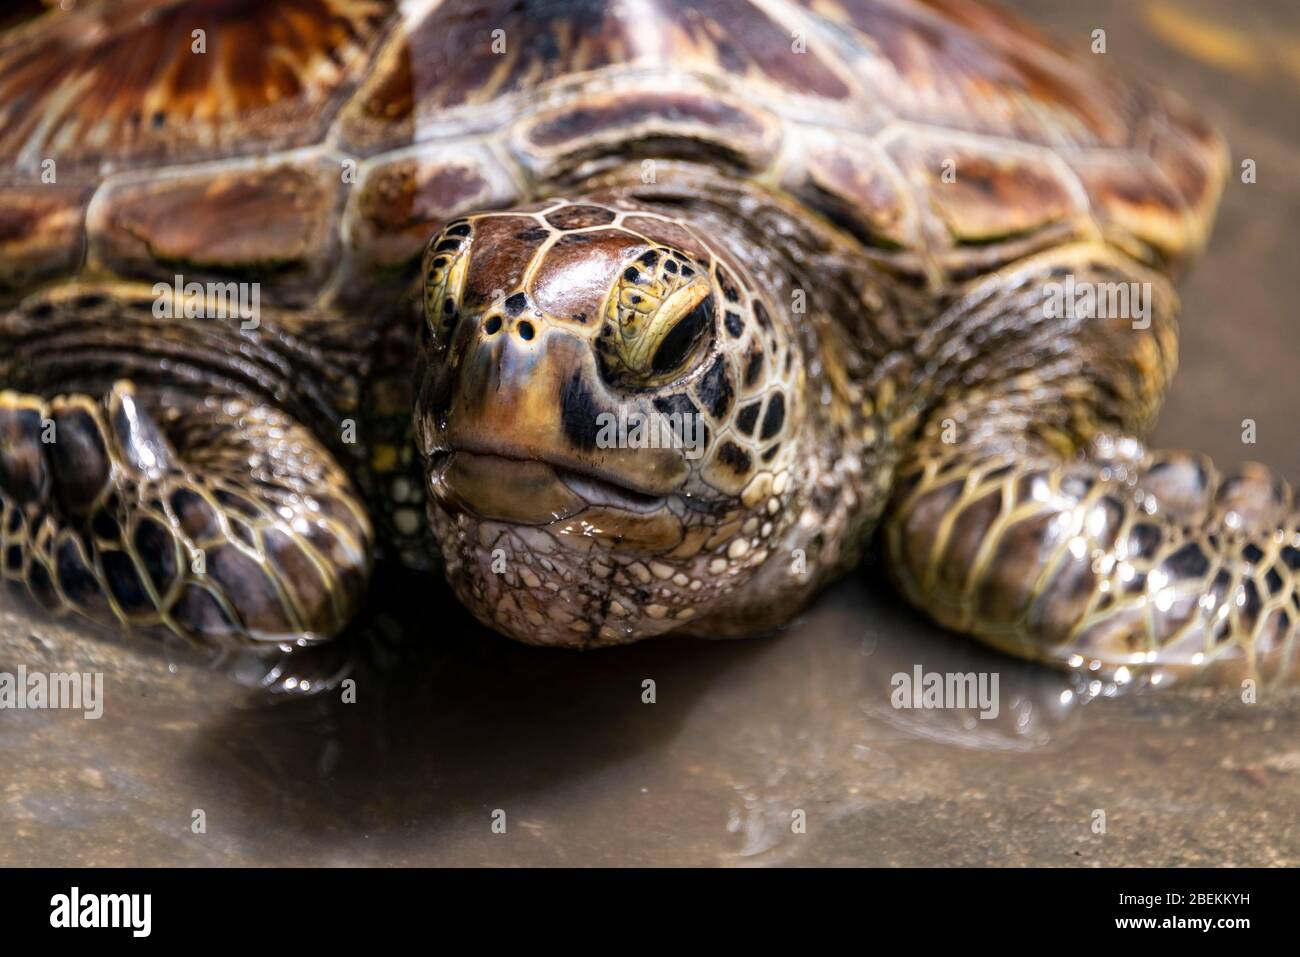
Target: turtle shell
{"x": 314, "y": 145}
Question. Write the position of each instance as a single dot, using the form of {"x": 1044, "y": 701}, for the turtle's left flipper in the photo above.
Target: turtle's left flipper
{"x": 1130, "y": 561}
{"x": 218, "y": 519}
{"x": 1022, "y": 517}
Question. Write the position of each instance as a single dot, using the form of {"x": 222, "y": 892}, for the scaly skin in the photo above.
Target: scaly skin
{"x": 537, "y": 322}
{"x": 1029, "y": 514}
{"x": 185, "y": 503}
{"x": 915, "y": 172}
{"x": 1026, "y": 512}
{"x": 1025, "y": 509}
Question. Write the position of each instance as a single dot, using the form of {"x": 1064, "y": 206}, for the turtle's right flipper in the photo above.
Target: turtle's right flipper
{"x": 222, "y": 521}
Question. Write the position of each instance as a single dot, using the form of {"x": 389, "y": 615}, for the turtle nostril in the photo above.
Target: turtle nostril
{"x": 492, "y": 326}
{"x": 525, "y": 330}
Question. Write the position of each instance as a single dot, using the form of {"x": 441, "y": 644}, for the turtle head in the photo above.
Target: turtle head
{"x": 611, "y": 415}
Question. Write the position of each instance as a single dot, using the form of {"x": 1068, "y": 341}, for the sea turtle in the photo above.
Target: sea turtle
{"x": 714, "y": 290}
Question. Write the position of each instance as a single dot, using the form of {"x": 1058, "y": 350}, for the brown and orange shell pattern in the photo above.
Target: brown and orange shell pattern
{"x": 316, "y": 144}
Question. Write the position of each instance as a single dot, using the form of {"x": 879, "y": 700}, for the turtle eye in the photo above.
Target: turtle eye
{"x": 659, "y": 318}
{"x": 445, "y": 264}
{"x": 682, "y": 336}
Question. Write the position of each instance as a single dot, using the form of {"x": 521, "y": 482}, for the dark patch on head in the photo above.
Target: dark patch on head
{"x": 760, "y": 314}
{"x": 670, "y": 267}
{"x": 631, "y": 274}
{"x": 746, "y": 418}
{"x": 734, "y": 457}
{"x": 580, "y": 217}
{"x": 516, "y": 304}
{"x": 579, "y": 317}
{"x": 771, "y": 453}
{"x": 679, "y": 404}
{"x": 728, "y": 286}
{"x": 774, "y": 417}
{"x": 753, "y": 366}
{"x": 734, "y": 323}
{"x": 578, "y": 413}
{"x": 714, "y": 389}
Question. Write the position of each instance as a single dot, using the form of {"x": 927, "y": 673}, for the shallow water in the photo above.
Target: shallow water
{"x": 452, "y": 724}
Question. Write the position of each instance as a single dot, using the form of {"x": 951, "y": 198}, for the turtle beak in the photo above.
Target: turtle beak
{"x": 511, "y": 427}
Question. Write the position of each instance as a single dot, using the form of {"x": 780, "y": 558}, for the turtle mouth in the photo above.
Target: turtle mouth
{"x": 530, "y": 490}
{"x": 599, "y": 491}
